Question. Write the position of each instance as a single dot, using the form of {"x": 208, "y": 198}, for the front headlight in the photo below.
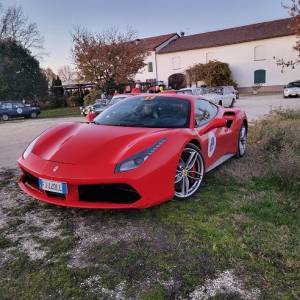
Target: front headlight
{"x": 29, "y": 148}
{"x": 136, "y": 160}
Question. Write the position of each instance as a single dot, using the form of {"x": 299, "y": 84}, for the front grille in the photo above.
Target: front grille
{"x": 33, "y": 182}
{"x": 56, "y": 195}
{"x": 113, "y": 193}
{"x": 30, "y": 180}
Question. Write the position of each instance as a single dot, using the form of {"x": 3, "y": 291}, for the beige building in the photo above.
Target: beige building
{"x": 249, "y": 50}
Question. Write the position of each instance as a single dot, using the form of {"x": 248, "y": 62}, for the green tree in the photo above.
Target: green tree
{"x": 57, "y": 90}
{"x": 20, "y": 73}
{"x": 214, "y": 73}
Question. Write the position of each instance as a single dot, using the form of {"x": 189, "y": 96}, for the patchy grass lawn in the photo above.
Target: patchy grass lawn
{"x": 60, "y": 112}
{"x": 238, "y": 238}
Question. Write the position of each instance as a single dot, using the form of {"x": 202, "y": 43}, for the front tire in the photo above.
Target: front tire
{"x": 242, "y": 141}
{"x": 190, "y": 172}
{"x": 5, "y": 117}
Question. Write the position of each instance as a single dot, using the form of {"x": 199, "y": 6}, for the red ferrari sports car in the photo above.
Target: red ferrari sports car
{"x": 138, "y": 153}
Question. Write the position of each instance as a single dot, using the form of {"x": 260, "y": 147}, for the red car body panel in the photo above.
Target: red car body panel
{"x": 81, "y": 154}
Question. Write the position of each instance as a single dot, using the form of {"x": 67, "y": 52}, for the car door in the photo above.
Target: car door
{"x": 19, "y": 109}
{"x": 212, "y": 134}
{"x": 8, "y": 109}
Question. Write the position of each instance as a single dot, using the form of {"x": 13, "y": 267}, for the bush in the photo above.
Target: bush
{"x": 214, "y": 73}
{"x": 273, "y": 151}
{"x": 92, "y": 96}
{"x": 74, "y": 100}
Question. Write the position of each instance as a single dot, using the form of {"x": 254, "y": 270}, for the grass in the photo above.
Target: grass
{"x": 242, "y": 220}
{"x": 60, "y": 112}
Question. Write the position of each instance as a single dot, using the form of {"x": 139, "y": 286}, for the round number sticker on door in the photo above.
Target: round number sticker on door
{"x": 212, "y": 143}
{"x": 19, "y": 110}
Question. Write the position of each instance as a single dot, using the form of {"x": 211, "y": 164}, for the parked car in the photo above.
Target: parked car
{"x": 192, "y": 91}
{"x": 221, "y": 96}
{"x": 117, "y": 98}
{"x": 231, "y": 89}
{"x": 94, "y": 110}
{"x": 97, "y": 106}
{"x": 292, "y": 89}
{"x": 15, "y": 109}
{"x": 138, "y": 153}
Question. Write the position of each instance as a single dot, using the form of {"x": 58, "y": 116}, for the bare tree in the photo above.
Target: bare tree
{"x": 14, "y": 25}
{"x": 294, "y": 11}
{"x": 108, "y": 58}
{"x": 66, "y": 74}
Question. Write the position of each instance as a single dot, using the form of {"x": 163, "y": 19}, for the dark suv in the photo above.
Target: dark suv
{"x": 14, "y": 109}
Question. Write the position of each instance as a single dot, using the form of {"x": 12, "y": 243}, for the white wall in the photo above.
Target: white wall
{"x": 241, "y": 61}
{"x": 143, "y": 74}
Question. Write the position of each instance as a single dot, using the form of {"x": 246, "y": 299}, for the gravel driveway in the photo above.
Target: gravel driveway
{"x": 257, "y": 107}
{"x": 16, "y": 135}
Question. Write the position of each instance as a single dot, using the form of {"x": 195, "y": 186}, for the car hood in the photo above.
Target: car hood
{"x": 75, "y": 143}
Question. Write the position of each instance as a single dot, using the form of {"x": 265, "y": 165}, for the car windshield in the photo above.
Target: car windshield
{"x": 148, "y": 111}
{"x": 294, "y": 84}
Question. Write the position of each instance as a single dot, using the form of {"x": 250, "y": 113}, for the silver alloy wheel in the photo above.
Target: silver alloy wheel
{"x": 242, "y": 140}
{"x": 189, "y": 173}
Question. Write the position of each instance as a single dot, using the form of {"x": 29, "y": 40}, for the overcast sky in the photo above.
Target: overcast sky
{"x": 56, "y": 18}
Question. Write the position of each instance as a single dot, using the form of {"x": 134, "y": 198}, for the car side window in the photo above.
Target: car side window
{"x": 204, "y": 112}
{"x": 18, "y": 105}
{"x": 7, "y": 106}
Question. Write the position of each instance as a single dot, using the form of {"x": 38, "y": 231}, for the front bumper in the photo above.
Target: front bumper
{"x": 291, "y": 93}
{"x": 133, "y": 189}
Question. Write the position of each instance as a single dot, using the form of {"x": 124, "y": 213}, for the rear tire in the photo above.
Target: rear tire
{"x": 242, "y": 141}
{"x": 33, "y": 115}
{"x": 220, "y": 103}
{"x": 5, "y": 117}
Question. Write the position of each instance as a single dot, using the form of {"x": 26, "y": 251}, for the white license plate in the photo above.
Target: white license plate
{"x": 53, "y": 186}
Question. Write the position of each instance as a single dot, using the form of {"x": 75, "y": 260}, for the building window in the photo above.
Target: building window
{"x": 176, "y": 63}
{"x": 209, "y": 57}
{"x": 259, "y": 53}
{"x": 259, "y": 76}
{"x": 150, "y": 67}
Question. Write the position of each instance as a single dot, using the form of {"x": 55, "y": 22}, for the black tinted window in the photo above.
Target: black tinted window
{"x": 294, "y": 84}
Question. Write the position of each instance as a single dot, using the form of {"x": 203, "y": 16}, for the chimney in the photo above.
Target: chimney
{"x": 182, "y": 33}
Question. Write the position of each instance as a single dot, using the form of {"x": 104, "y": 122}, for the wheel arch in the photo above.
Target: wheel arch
{"x": 245, "y": 122}
{"x": 195, "y": 142}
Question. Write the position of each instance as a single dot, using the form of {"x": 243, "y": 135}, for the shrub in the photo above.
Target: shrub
{"x": 74, "y": 100}
{"x": 214, "y": 73}
{"x": 273, "y": 150}
{"x": 92, "y": 96}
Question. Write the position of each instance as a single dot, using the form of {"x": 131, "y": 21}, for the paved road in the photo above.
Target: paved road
{"x": 257, "y": 107}
{"x": 16, "y": 135}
